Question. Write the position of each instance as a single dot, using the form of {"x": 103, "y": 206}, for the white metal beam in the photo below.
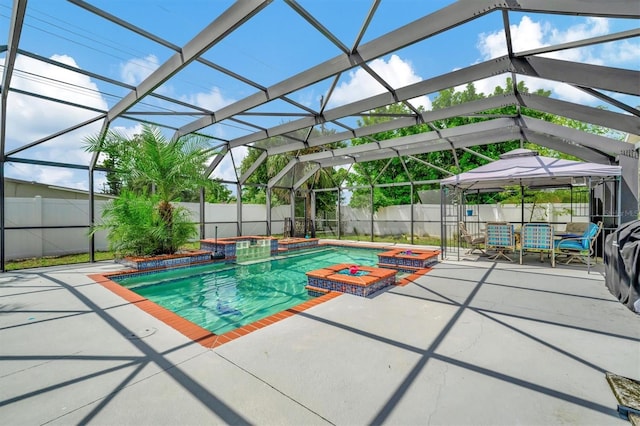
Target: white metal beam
{"x": 606, "y": 78}
{"x": 468, "y": 108}
{"x": 231, "y": 19}
{"x": 420, "y": 138}
{"x": 15, "y": 29}
{"x": 613, "y": 120}
{"x": 609, "y": 8}
{"x": 216, "y": 160}
{"x": 600, "y": 143}
{"x": 314, "y": 167}
{"x": 425, "y": 27}
{"x": 263, "y": 156}
{"x": 282, "y": 172}
{"x": 567, "y": 147}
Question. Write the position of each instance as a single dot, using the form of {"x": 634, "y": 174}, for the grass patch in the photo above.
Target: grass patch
{"x": 400, "y": 239}
{"x": 70, "y": 259}
{"x": 38, "y": 262}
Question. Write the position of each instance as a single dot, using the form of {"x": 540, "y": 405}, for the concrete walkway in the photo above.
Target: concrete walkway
{"x": 472, "y": 342}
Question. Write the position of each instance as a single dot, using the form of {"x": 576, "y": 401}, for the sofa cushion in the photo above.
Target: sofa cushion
{"x": 576, "y": 227}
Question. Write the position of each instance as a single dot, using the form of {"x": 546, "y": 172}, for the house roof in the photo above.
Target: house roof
{"x": 22, "y": 188}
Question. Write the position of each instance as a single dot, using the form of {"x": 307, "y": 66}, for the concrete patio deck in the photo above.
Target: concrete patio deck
{"x": 472, "y": 342}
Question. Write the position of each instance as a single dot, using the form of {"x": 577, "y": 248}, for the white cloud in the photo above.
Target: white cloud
{"x": 225, "y": 169}
{"x": 625, "y": 51}
{"x": 526, "y": 35}
{"x": 239, "y": 153}
{"x": 30, "y": 119}
{"x": 56, "y": 176}
{"x": 529, "y": 34}
{"x": 592, "y": 27}
{"x": 213, "y": 100}
{"x": 137, "y": 69}
{"x": 128, "y": 132}
{"x": 360, "y": 85}
{"x": 224, "y": 172}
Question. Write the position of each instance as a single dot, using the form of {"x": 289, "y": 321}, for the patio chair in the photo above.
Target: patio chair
{"x": 537, "y": 237}
{"x": 580, "y": 248}
{"x": 475, "y": 242}
{"x": 500, "y": 238}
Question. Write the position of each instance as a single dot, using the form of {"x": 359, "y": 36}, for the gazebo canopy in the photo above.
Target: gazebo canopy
{"x": 525, "y": 167}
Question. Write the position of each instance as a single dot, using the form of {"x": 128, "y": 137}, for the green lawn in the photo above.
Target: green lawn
{"x": 404, "y": 239}
{"x": 37, "y": 262}
{"x": 108, "y": 255}
{"x": 70, "y": 259}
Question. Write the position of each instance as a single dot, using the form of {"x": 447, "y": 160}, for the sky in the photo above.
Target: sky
{"x": 274, "y": 45}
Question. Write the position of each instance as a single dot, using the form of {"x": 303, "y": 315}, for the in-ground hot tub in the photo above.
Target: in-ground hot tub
{"x": 353, "y": 279}
{"x": 408, "y": 260}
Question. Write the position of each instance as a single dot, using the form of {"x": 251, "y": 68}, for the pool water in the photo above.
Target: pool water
{"x": 221, "y": 298}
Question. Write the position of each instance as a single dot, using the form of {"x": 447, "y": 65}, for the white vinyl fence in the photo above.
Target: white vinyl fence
{"x": 225, "y": 217}
{"x": 62, "y": 226}
{"x": 396, "y": 220}
{"x": 71, "y": 217}
{"x": 49, "y": 212}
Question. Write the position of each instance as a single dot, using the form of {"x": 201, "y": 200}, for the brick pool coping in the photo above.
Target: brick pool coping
{"x": 166, "y": 261}
{"x": 233, "y": 240}
{"x": 294, "y": 243}
{"x": 193, "y": 331}
{"x": 211, "y": 340}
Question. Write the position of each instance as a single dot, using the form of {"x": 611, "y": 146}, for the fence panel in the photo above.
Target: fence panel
{"x": 52, "y": 227}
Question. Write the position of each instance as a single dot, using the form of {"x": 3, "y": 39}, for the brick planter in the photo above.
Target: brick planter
{"x": 288, "y": 244}
{"x": 167, "y": 260}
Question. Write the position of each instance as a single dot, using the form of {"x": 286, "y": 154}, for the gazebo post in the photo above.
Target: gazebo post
{"x": 521, "y": 205}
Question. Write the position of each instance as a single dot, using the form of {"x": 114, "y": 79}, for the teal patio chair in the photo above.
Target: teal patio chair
{"x": 580, "y": 248}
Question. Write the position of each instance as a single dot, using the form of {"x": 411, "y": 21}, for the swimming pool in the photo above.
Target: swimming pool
{"x": 221, "y": 298}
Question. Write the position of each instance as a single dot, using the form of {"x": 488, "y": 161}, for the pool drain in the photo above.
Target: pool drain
{"x": 141, "y": 334}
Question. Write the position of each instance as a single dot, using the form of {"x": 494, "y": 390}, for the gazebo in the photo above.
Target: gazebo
{"x": 527, "y": 169}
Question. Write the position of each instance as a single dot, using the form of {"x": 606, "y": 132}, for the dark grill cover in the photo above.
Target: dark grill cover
{"x": 622, "y": 264}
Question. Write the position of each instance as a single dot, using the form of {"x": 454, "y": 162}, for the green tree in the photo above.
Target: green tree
{"x": 466, "y": 160}
{"x": 385, "y": 171}
{"x": 137, "y": 229}
{"x": 391, "y": 171}
{"x": 115, "y": 153}
{"x": 217, "y": 193}
{"x": 535, "y": 198}
{"x": 150, "y": 167}
{"x": 254, "y": 190}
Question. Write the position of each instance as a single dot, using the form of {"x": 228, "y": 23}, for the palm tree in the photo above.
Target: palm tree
{"x": 150, "y": 166}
